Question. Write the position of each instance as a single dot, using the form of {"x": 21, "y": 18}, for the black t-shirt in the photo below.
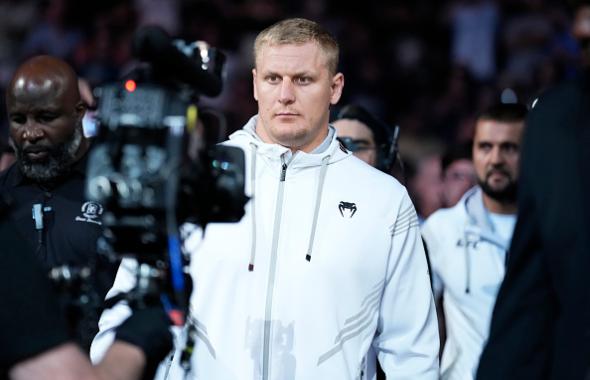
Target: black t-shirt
{"x": 31, "y": 320}
{"x": 70, "y": 223}
{"x": 70, "y": 228}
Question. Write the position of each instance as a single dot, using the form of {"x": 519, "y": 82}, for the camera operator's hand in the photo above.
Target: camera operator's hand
{"x": 149, "y": 329}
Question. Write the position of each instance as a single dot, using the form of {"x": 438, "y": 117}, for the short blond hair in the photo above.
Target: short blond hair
{"x": 299, "y": 31}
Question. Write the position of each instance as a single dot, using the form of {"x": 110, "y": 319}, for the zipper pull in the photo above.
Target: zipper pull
{"x": 283, "y": 172}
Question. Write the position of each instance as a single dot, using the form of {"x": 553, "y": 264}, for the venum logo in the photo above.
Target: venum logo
{"x": 91, "y": 212}
{"x": 347, "y": 209}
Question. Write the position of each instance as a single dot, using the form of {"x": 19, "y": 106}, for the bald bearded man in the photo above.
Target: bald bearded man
{"x": 46, "y": 184}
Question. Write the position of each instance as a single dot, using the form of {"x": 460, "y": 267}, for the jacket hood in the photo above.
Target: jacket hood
{"x": 478, "y": 216}
{"x": 329, "y": 152}
{"x": 479, "y": 226}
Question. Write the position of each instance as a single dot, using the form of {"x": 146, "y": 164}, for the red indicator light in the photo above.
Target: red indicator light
{"x": 130, "y": 85}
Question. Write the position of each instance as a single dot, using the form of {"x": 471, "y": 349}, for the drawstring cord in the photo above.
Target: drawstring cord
{"x": 317, "y": 205}
{"x": 467, "y": 266}
{"x": 320, "y": 187}
{"x": 253, "y": 203}
{"x": 468, "y": 261}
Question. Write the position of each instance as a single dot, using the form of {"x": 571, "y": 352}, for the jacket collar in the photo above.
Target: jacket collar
{"x": 479, "y": 220}
{"x": 278, "y": 153}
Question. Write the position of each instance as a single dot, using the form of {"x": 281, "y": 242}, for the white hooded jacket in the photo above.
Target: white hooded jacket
{"x": 326, "y": 264}
{"x": 467, "y": 259}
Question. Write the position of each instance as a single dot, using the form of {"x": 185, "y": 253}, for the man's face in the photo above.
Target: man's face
{"x": 496, "y": 152}
{"x": 294, "y": 90}
{"x": 45, "y": 126}
{"x": 427, "y": 185}
{"x": 581, "y": 31}
{"x": 581, "y": 24}
{"x": 458, "y": 177}
{"x": 361, "y": 136}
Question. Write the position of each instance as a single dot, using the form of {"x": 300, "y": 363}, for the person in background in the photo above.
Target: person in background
{"x": 541, "y": 319}
{"x": 289, "y": 292}
{"x": 467, "y": 243}
{"x": 7, "y": 157}
{"x": 366, "y": 137}
{"x": 89, "y": 124}
{"x": 424, "y": 178}
{"x": 458, "y": 173}
{"x": 47, "y": 181}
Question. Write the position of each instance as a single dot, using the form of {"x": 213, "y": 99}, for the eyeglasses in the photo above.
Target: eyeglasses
{"x": 355, "y": 145}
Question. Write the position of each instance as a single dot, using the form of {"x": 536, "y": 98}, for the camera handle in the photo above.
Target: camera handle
{"x": 149, "y": 280}
{"x": 82, "y": 300}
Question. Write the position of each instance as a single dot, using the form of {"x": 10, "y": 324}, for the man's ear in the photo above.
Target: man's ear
{"x": 81, "y": 108}
{"x": 336, "y": 88}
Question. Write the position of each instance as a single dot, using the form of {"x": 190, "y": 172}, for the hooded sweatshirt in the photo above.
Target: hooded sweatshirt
{"x": 325, "y": 269}
{"x": 467, "y": 258}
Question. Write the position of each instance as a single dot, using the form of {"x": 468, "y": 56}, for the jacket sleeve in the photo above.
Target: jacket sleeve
{"x": 115, "y": 316}
{"x": 407, "y": 341}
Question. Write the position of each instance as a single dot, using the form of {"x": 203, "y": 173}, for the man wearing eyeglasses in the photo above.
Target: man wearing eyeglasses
{"x": 366, "y": 137}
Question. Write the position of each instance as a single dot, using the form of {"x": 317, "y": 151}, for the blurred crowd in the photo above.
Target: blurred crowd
{"x": 428, "y": 66}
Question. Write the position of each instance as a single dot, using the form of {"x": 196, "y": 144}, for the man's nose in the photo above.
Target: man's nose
{"x": 496, "y": 156}
{"x": 287, "y": 94}
{"x": 32, "y": 132}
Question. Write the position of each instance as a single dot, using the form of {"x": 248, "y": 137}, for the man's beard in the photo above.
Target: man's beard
{"x": 504, "y": 195}
{"x": 57, "y": 163}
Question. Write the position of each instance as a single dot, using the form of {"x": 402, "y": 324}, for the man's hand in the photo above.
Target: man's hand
{"x": 148, "y": 329}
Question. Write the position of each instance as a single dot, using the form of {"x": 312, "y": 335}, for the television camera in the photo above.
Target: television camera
{"x": 142, "y": 171}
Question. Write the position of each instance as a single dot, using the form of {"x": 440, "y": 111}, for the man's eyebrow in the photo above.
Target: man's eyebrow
{"x": 270, "y": 73}
{"x": 296, "y": 74}
{"x": 304, "y": 74}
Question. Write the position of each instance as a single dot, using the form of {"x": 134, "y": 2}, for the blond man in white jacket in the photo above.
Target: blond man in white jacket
{"x": 327, "y": 261}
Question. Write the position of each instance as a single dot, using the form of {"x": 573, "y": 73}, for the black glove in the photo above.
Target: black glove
{"x": 148, "y": 329}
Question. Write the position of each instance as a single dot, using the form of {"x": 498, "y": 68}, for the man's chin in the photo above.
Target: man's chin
{"x": 497, "y": 189}
{"x": 40, "y": 172}
{"x": 289, "y": 138}
{"x": 505, "y": 194}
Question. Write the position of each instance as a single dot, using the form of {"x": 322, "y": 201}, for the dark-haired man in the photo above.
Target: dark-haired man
{"x": 467, "y": 243}
{"x": 365, "y": 136}
{"x": 540, "y": 325}
{"x": 458, "y": 173}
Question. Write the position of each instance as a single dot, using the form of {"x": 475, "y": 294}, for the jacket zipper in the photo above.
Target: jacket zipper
{"x": 272, "y": 272}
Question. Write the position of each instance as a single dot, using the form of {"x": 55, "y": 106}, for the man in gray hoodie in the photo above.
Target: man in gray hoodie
{"x": 467, "y": 243}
